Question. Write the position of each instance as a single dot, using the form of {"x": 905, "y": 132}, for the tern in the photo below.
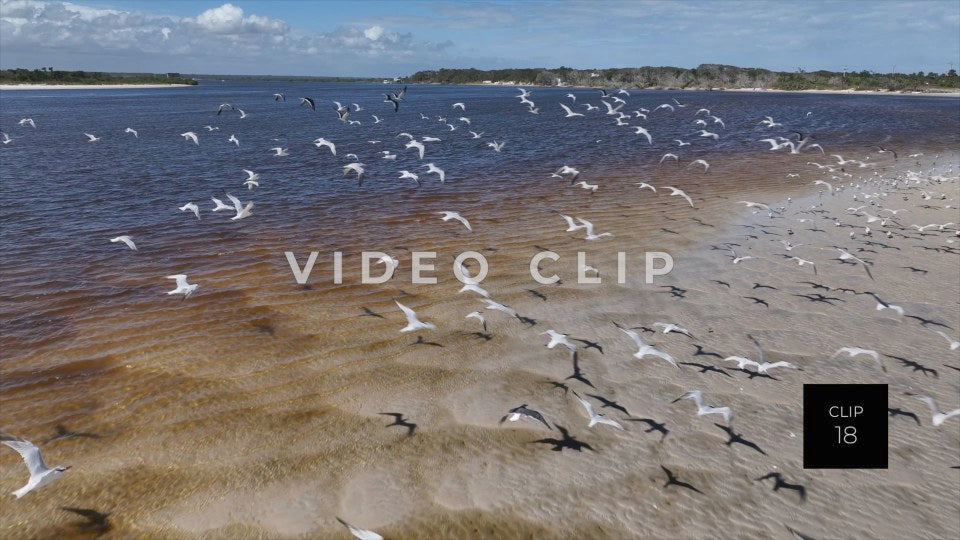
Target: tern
{"x": 517, "y": 413}
{"x": 27, "y": 122}
{"x": 681, "y": 143}
{"x": 126, "y": 240}
{"x": 219, "y": 205}
{"x": 857, "y": 351}
{"x": 556, "y": 338}
{"x": 459, "y": 105}
{"x": 645, "y": 349}
{"x": 308, "y": 101}
{"x": 845, "y": 255}
{"x": 646, "y": 185}
{"x": 500, "y": 307}
{"x": 570, "y": 114}
{"x": 131, "y": 130}
{"x": 362, "y": 534}
{"x": 954, "y": 345}
{"x": 413, "y": 323}
{"x": 938, "y": 417}
{"x": 356, "y": 168}
{"x": 40, "y": 474}
{"x": 595, "y": 417}
{"x": 801, "y": 262}
{"x": 92, "y": 138}
{"x": 447, "y": 216}
{"x": 589, "y": 227}
{"x": 279, "y": 151}
{"x": 737, "y": 259}
{"x": 323, "y": 142}
{"x": 184, "y": 288}
{"x": 224, "y": 107}
{"x": 571, "y": 226}
{"x": 681, "y": 193}
{"x": 211, "y": 128}
{"x": 497, "y": 147}
{"x": 567, "y": 170}
{"x": 664, "y": 106}
{"x": 591, "y": 187}
{"x": 670, "y": 327}
{"x": 643, "y": 131}
{"x": 476, "y": 135}
{"x": 410, "y": 175}
{"x": 478, "y": 316}
{"x": 431, "y": 168}
{"x": 234, "y": 140}
{"x": 670, "y": 156}
{"x": 769, "y": 122}
{"x": 279, "y": 97}
{"x": 710, "y": 134}
{"x": 418, "y": 145}
{"x": 702, "y": 163}
{"x": 191, "y": 136}
{"x": 6, "y": 138}
{"x": 192, "y": 208}
{"x": 704, "y": 409}
{"x": 242, "y": 211}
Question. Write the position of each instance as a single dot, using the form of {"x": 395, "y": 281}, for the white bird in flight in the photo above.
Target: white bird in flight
{"x": 681, "y": 193}
{"x": 92, "y": 138}
{"x": 242, "y": 211}
{"x": 670, "y": 327}
{"x": 191, "y": 136}
{"x": 126, "y": 240}
{"x": 556, "y": 338}
{"x": 853, "y": 352}
{"x": 40, "y": 474}
{"x": 704, "y": 409}
{"x": 184, "y": 288}
{"x": 219, "y": 205}
{"x": 570, "y": 114}
{"x": 362, "y": 534}
{"x": 279, "y": 151}
{"x": 413, "y": 323}
{"x": 131, "y": 130}
{"x": 645, "y": 349}
{"x": 27, "y": 122}
{"x": 478, "y": 316}
{"x": 234, "y": 140}
{"x": 448, "y": 215}
{"x": 418, "y": 145}
{"x": 323, "y": 142}
{"x": 938, "y": 417}
{"x": 192, "y": 208}
{"x": 595, "y": 417}
{"x": 590, "y": 234}
{"x": 431, "y": 168}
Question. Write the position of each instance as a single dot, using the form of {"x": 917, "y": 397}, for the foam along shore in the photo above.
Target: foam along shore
{"x": 85, "y": 86}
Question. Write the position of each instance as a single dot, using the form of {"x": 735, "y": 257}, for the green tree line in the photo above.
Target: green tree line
{"x": 48, "y": 75}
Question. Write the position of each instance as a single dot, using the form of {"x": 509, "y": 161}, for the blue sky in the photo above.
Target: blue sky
{"x": 373, "y": 38}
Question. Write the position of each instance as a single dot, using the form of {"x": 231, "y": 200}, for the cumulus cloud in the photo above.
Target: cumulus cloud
{"x": 218, "y": 40}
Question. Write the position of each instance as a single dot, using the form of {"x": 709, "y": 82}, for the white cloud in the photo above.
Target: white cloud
{"x": 374, "y": 32}
{"x": 229, "y": 19}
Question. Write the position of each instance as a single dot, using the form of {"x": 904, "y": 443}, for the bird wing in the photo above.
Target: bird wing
{"x": 362, "y": 534}
{"x": 30, "y": 454}
{"x": 586, "y": 405}
{"x": 930, "y": 403}
{"x": 236, "y": 202}
{"x": 410, "y": 314}
{"x": 637, "y": 338}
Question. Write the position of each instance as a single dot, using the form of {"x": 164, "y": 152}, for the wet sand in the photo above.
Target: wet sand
{"x": 252, "y": 409}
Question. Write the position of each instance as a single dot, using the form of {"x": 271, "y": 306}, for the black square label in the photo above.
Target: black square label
{"x": 844, "y": 426}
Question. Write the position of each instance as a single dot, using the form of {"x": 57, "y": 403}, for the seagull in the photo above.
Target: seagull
{"x": 280, "y": 152}
{"x": 413, "y": 323}
{"x": 500, "y": 307}
{"x": 497, "y": 147}
{"x": 126, "y": 240}
{"x": 681, "y": 143}
{"x": 767, "y": 366}
{"x": 646, "y": 185}
{"x": 418, "y": 145}
{"x": 845, "y": 255}
{"x": 27, "y": 122}
{"x": 431, "y": 168}
{"x": 789, "y": 246}
{"x": 394, "y": 101}
{"x": 131, "y": 130}
{"x": 823, "y": 183}
{"x": 664, "y": 106}
{"x": 192, "y": 208}
{"x": 6, "y": 138}
{"x": 710, "y": 134}
{"x": 279, "y": 97}
{"x": 308, "y": 101}
{"x": 447, "y": 216}
{"x": 476, "y": 135}
{"x": 355, "y": 167}
{"x": 323, "y": 142}
{"x": 516, "y": 413}
{"x": 459, "y": 105}
{"x": 571, "y": 226}
{"x": 595, "y": 417}
{"x": 591, "y": 187}
{"x": 556, "y": 338}
{"x": 40, "y": 474}
{"x": 224, "y": 107}
{"x": 356, "y": 107}
{"x": 376, "y": 119}
{"x": 589, "y": 227}
{"x": 645, "y": 349}
{"x": 706, "y": 166}
{"x": 769, "y": 122}
{"x": 479, "y": 316}
{"x": 938, "y": 417}
{"x": 410, "y": 175}
{"x": 211, "y": 128}
{"x": 751, "y": 204}
{"x": 242, "y": 114}
{"x": 801, "y": 262}
{"x": 680, "y": 192}
{"x": 570, "y": 114}
{"x": 703, "y": 409}
{"x": 856, "y": 351}
{"x": 567, "y": 170}
{"x": 362, "y": 534}
{"x": 742, "y": 362}
{"x": 92, "y": 138}
{"x": 234, "y": 140}
{"x": 184, "y": 288}
{"x": 242, "y": 211}
{"x": 191, "y": 136}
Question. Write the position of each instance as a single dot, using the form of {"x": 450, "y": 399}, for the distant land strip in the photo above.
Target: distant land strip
{"x": 703, "y": 77}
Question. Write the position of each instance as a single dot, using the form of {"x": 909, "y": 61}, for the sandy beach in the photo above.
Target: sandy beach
{"x": 296, "y": 435}
{"x": 87, "y": 86}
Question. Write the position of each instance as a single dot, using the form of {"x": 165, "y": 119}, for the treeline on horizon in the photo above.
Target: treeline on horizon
{"x": 704, "y": 76}
{"x": 48, "y": 75}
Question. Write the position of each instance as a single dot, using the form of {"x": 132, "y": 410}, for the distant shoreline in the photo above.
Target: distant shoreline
{"x": 849, "y": 91}
{"x": 86, "y": 86}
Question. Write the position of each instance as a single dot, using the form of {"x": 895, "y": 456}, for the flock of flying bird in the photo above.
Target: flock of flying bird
{"x": 872, "y": 193}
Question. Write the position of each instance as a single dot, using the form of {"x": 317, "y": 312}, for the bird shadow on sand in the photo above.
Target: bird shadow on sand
{"x": 779, "y": 483}
{"x": 673, "y": 481}
{"x": 63, "y": 433}
{"x": 421, "y": 341}
{"x": 900, "y": 412}
{"x": 917, "y": 366}
{"x": 367, "y": 312}
{"x": 654, "y": 426}
{"x": 736, "y": 438}
{"x": 704, "y": 368}
{"x": 399, "y": 420}
{"x": 577, "y": 373}
{"x": 567, "y": 442}
{"x": 95, "y": 521}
